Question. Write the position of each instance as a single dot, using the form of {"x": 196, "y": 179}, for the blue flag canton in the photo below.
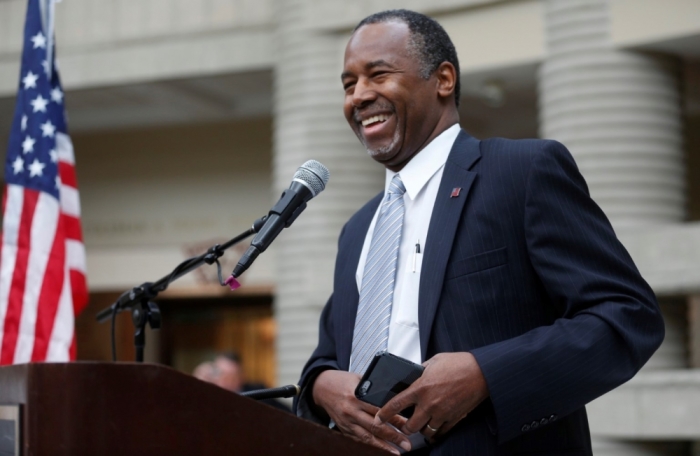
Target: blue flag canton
{"x": 32, "y": 155}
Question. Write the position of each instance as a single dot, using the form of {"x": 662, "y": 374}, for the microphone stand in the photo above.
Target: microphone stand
{"x": 138, "y": 299}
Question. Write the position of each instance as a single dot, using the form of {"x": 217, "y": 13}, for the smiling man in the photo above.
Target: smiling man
{"x": 487, "y": 261}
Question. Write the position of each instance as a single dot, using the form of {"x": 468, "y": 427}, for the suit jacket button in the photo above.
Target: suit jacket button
{"x": 544, "y": 421}
{"x": 525, "y": 428}
{"x": 534, "y": 425}
{"x": 553, "y": 418}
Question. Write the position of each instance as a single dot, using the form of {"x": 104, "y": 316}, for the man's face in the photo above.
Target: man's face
{"x": 229, "y": 374}
{"x": 389, "y": 106}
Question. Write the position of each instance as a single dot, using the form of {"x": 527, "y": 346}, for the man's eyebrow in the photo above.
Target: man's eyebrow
{"x": 378, "y": 63}
{"x": 368, "y": 66}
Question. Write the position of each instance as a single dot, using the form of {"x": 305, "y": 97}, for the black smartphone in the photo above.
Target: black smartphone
{"x": 386, "y": 376}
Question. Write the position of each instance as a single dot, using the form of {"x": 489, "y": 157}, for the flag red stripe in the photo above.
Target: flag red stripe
{"x": 72, "y": 227}
{"x": 19, "y": 277}
{"x": 50, "y": 293}
{"x": 67, "y": 173}
{"x": 79, "y": 287}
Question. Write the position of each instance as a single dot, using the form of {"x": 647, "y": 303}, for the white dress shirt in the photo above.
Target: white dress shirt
{"x": 421, "y": 176}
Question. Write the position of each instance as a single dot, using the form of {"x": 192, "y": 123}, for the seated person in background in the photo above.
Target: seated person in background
{"x": 205, "y": 372}
{"x": 226, "y": 371}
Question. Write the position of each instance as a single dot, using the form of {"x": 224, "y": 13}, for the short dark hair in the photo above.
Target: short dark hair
{"x": 430, "y": 41}
{"x": 232, "y": 356}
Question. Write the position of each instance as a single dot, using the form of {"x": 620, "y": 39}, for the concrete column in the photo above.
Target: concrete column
{"x": 694, "y": 346}
{"x": 694, "y": 331}
{"x": 309, "y": 124}
{"x": 617, "y": 111}
{"x": 606, "y": 447}
{"x": 619, "y": 114}
{"x": 673, "y": 352}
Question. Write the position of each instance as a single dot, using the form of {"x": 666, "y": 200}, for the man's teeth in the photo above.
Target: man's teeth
{"x": 371, "y": 120}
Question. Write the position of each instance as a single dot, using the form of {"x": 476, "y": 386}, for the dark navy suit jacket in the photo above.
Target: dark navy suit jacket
{"x": 524, "y": 271}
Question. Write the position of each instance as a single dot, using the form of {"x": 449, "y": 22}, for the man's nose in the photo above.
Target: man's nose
{"x": 363, "y": 93}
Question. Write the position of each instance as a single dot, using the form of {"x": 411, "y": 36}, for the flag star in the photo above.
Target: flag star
{"x": 29, "y": 80}
{"x": 48, "y": 129}
{"x": 24, "y": 122}
{"x": 45, "y": 64}
{"x": 18, "y": 165}
{"x": 39, "y": 104}
{"x": 36, "y": 168}
{"x": 39, "y": 40}
{"x": 56, "y": 95}
{"x": 28, "y": 145}
{"x": 54, "y": 155}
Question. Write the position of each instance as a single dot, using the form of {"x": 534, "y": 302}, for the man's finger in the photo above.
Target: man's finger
{"x": 430, "y": 431}
{"x": 368, "y": 408}
{"x": 398, "y": 403}
{"x": 388, "y": 433}
{"x": 397, "y": 421}
{"x": 417, "y": 422}
{"x": 364, "y": 436}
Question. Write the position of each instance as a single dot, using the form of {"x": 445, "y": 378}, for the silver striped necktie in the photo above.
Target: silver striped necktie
{"x": 371, "y": 333}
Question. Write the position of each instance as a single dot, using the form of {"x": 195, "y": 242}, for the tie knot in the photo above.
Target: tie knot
{"x": 396, "y": 186}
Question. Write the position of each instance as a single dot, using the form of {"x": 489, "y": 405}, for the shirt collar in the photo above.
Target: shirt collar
{"x": 426, "y": 163}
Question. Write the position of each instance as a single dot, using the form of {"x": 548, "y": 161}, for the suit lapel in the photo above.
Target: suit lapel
{"x": 443, "y": 227}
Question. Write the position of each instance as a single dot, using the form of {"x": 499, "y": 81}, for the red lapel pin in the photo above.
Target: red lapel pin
{"x": 455, "y": 192}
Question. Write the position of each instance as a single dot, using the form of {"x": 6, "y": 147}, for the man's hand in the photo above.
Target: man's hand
{"x": 451, "y": 386}
{"x": 334, "y": 391}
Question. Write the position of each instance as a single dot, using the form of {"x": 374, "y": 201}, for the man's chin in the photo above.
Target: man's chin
{"x": 383, "y": 154}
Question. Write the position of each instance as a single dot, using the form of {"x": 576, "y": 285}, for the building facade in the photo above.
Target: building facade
{"x": 189, "y": 117}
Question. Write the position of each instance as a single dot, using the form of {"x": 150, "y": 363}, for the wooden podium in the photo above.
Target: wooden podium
{"x": 86, "y": 408}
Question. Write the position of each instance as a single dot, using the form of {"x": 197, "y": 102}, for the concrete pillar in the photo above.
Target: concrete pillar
{"x": 617, "y": 111}
{"x": 694, "y": 346}
{"x": 694, "y": 331}
{"x": 309, "y": 124}
{"x": 605, "y": 447}
{"x": 673, "y": 352}
{"x": 619, "y": 114}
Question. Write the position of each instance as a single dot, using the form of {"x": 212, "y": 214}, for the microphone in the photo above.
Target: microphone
{"x": 273, "y": 393}
{"x": 309, "y": 180}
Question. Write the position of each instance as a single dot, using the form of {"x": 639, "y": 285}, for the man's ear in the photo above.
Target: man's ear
{"x": 446, "y": 80}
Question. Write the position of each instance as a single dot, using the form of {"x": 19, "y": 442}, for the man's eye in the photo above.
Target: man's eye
{"x": 348, "y": 85}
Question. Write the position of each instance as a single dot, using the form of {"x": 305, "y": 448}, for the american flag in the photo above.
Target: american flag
{"x": 42, "y": 261}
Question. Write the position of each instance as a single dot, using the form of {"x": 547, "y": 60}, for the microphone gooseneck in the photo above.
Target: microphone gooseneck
{"x": 308, "y": 181}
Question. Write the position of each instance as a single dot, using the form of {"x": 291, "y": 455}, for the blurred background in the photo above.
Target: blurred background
{"x": 189, "y": 117}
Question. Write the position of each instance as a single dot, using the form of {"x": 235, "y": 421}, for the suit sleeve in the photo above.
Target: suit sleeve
{"x": 610, "y": 322}
{"x": 323, "y": 358}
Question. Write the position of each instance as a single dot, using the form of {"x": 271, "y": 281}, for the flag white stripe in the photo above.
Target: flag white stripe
{"x": 13, "y": 214}
{"x": 42, "y": 234}
{"x": 11, "y": 220}
{"x": 62, "y": 334}
{"x": 70, "y": 200}
{"x": 64, "y": 147}
{"x": 75, "y": 255}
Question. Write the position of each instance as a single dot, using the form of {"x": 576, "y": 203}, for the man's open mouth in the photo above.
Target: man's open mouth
{"x": 375, "y": 120}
